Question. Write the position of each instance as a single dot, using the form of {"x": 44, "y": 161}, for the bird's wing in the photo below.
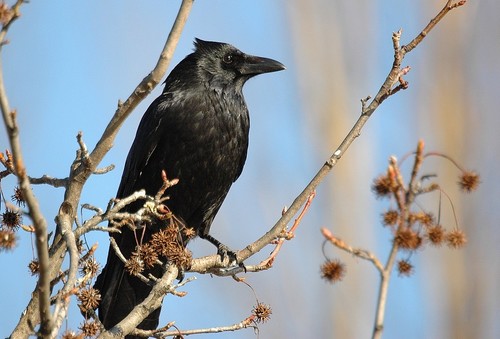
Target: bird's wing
{"x": 144, "y": 145}
{"x": 113, "y": 281}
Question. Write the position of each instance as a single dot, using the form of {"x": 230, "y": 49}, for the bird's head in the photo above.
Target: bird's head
{"x": 222, "y": 64}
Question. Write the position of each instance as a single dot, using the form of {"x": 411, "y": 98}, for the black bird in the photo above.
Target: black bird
{"x": 197, "y": 131}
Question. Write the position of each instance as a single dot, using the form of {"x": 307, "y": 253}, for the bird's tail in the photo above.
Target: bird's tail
{"x": 120, "y": 293}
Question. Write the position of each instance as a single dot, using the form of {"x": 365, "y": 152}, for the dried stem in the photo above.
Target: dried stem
{"x": 246, "y": 323}
{"x": 15, "y": 14}
{"x": 267, "y": 263}
{"x": 358, "y": 252}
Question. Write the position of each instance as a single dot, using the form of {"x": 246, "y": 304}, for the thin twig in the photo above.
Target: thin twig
{"x": 120, "y": 256}
{"x": 246, "y": 323}
{"x": 15, "y": 14}
{"x": 267, "y": 263}
{"x": 358, "y": 252}
{"x": 45, "y": 179}
{"x": 112, "y": 213}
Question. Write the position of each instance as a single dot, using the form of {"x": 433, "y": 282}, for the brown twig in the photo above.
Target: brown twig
{"x": 120, "y": 256}
{"x": 358, "y": 252}
{"x": 14, "y": 15}
{"x": 268, "y": 263}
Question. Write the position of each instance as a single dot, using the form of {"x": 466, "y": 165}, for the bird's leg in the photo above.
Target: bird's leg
{"x": 223, "y": 251}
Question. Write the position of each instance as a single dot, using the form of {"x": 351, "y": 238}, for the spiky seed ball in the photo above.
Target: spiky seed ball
{"x": 333, "y": 270}
{"x": 189, "y": 233}
{"x": 149, "y": 255}
{"x": 407, "y": 239}
{"x": 435, "y": 235}
{"x": 11, "y": 219}
{"x": 7, "y": 240}
{"x": 424, "y": 218}
{"x": 456, "y": 239}
{"x": 90, "y": 329}
{"x": 382, "y": 186}
{"x": 18, "y": 197}
{"x": 34, "y": 266}
{"x": 390, "y": 217}
{"x": 89, "y": 299}
{"x": 405, "y": 268}
{"x": 162, "y": 241}
{"x": 135, "y": 264}
{"x": 469, "y": 181}
{"x": 90, "y": 267}
{"x": 262, "y": 312}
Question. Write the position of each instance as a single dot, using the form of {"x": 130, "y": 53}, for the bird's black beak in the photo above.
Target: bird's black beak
{"x": 254, "y": 65}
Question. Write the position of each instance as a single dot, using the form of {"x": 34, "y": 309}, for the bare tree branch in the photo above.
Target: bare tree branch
{"x": 48, "y": 180}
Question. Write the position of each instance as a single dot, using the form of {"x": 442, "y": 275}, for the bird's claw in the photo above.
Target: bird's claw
{"x": 180, "y": 274}
{"x": 227, "y": 254}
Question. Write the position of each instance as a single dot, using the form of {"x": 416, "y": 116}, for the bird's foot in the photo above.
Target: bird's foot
{"x": 225, "y": 253}
{"x": 181, "y": 275}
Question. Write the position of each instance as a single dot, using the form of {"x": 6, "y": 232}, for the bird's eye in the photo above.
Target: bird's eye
{"x": 228, "y": 58}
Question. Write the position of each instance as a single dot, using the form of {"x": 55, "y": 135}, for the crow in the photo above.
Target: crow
{"x": 196, "y": 131}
